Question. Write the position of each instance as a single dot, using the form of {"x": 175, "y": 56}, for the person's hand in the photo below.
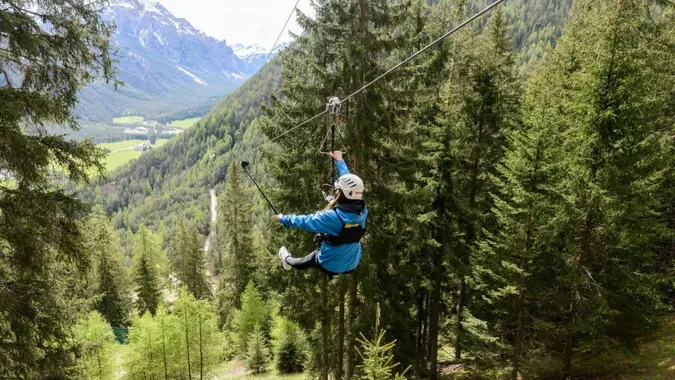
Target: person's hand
{"x": 276, "y": 217}
{"x": 337, "y": 155}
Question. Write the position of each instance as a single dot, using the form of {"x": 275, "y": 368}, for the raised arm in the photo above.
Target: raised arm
{"x": 340, "y": 164}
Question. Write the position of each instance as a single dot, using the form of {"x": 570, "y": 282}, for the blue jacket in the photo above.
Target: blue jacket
{"x": 341, "y": 258}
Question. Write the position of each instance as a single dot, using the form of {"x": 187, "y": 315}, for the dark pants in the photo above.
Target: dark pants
{"x": 302, "y": 263}
{"x": 310, "y": 261}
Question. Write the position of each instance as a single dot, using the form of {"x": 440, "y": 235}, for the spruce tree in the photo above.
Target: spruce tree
{"x": 513, "y": 265}
{"x": 253, "y": 313}
{"x": 112, "y": 286}
{"x": 188, "y": 260}
{"x": 235, "y": 267}
{"x": 146, "y": 258}
{"x": 426, "y": 251}
{"x": 289, "y": 345}
{"x": 480, "y": 104}
{"x": 257, "y": 355}
{"x": 349, "y": 43}
{"x": 378, "y": 360}
{"x": 41, "y": 248}
{"x": 611, "y": 92}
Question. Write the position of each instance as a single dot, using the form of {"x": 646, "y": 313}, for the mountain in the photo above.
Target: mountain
{"x": 166, "y": 64}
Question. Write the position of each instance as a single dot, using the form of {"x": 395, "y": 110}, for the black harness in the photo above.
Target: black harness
{"x": 351, "y": 233}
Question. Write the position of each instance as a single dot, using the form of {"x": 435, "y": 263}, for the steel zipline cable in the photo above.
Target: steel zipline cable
{"x": 394, "y": 68}
{"x": 282, "y": 31}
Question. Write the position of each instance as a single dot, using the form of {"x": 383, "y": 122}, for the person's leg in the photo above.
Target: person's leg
{"x": 299, "y": 263}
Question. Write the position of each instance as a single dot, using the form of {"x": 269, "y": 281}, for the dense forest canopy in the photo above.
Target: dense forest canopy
{"x": 519, "y": 182}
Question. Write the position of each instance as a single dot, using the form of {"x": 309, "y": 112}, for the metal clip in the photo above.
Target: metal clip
{"x": 334, "y": 105}
{"x": 328, "y": 198}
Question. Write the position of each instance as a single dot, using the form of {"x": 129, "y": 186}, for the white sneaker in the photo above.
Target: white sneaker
{"x": 283, "y": 255}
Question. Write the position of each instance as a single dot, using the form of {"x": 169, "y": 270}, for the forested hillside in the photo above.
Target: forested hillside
{"x": 174, "y": 181}
{"x": 533, "y": 25}
{"x": 518, "y": 179}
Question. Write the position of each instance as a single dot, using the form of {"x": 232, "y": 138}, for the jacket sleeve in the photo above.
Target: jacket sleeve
{"x": 341, "y": 168}
{"x": 324, "y": 222}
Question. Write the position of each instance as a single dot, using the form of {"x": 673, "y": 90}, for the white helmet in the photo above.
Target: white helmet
{"x": 351, "y": 186}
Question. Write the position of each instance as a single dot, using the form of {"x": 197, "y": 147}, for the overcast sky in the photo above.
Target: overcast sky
{"x": 239, "y": 21}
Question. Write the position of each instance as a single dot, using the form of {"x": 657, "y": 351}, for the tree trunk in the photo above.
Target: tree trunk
{"x": 201, "y": 350}
{"x": 152, "y": 375}
{"x": 351, "y": 333}
{"x": 519, "y": 338}
{"x": 420, "y": 341}
{"x": 460, "y": 310}
{"x": 567, "y": 356}
{"x": 187, "y": 344}
{"x": 341, "y": 333}
{"x": 166, "y": 370}
{"x": 324, "y": 327}
{"x": 425, "y": 327}
{"x": 434, "y": 313}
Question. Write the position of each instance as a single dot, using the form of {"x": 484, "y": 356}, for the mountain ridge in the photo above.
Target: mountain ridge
{"x": 165, "y": 63}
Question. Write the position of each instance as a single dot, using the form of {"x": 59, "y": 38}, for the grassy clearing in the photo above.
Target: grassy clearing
{"x": 120, "y": 145}
{"x": 121, "y": 351}
{"x": 653, "y": 359}
{"x": 128, "y": 120}
{"x": 185, "y": 123}
{"x": 236, "y": 369}
{"x": 115, "y": 160}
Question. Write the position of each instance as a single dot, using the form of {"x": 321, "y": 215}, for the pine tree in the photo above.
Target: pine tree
{"x": 253, "y": 313}
{"x": 181, "y": 345}
{"x": 378, "y": 361}
{"x": 348, "y": 44}
{"x": 257, "y": 355}
{"x": 147, "y": 347}
{"x": 200, "y": 342}
{"x": 289, "y": 345}
{"x": 41, "y": 252}
{"x": 146, "y": 257}
{"x": 188, "y": 260}
{"x": 610, "y": 103}
{"x": 112, "y": 287}
{"x": 513, "y": 266}
{"x": 234, "y": 241}
{"x": 97, "y": 346}
{"x": 481, "y": 102}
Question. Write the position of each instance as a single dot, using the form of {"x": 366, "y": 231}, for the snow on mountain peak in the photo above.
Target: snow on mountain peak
{"x": 144, "y": 5}
{"x": 244, "y": 51}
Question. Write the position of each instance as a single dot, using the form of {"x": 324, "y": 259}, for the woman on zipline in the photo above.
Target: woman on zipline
{"x": 342, "y": 224}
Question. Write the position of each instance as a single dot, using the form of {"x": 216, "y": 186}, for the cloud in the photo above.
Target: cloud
{"x": 239, "y": 21}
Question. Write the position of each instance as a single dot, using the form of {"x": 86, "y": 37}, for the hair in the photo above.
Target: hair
{"x": 338, "y": 198}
